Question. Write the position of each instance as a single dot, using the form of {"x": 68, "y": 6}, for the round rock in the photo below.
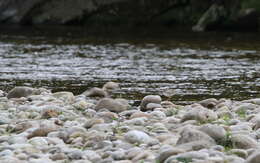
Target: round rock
{"x": 155, "y": 99}
{"x": 18, "y": 92}
{"x": 135, "y": 136}
{"x": 112, "y": 105}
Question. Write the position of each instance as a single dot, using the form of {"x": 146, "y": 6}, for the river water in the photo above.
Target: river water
{"x": 185, "y": 68}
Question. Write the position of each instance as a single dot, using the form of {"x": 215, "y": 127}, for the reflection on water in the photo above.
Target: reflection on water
{"x": 179, "y": 70}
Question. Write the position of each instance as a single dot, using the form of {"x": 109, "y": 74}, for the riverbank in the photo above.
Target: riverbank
{"x": 39, "y": 126}
{"x": 196, "y": 15}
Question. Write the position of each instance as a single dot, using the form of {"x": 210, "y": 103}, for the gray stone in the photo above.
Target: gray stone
{"x": 218, "y": 133}
{"x": 234, "y": 159}
{"x": 95, "y": 92}
{"x": 239, "y": 152}
{"x": 110, "y": 86}
{"x": 158, "y": 115}
{"x": 150, "y": 99}
{"x": 152, "y": 106}
{"x": 190, "y": 135}
{"x": 43, "y": 130}
{"x": 132, "y": 152}
{"x": 168, "y": 152}
{"x": 135, "y": 136}
{"x": 4, "y": 119}
{"x": 111, "y": 105}
{"x": 253, "y": 158}
{"x": 118, "y": 154}
{"x": 58, "y": 156}
{"x": 243, "y": 141}
{"x": 6, "y": 152}
{"x": 19, "y": 92}
{"x": 92, "y": 156}
{"x": 200, "y": 114}
{"x": 209, "y": 103}
{"x": 66, "y": 97}
{"x": 75, "y": 154}
{"x": 38, "y": 142}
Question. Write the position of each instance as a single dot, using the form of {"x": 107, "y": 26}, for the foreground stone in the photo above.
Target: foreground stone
{"x": 62, "y": 127}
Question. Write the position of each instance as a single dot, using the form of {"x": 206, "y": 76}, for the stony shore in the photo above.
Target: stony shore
{"x": 38, "y": 126}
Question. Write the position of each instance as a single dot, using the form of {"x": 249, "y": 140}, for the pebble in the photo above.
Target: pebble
{"x": 41, "y": 126}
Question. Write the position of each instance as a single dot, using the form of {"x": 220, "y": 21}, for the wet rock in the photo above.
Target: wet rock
{"x": 112, "y": 105}
{"x": 135, "y": 136}
{"x": 19, "y": 92}
{"x": 155, "y": 99}
{"x": 96, "y": 92}
{"x": 243, "y": 142}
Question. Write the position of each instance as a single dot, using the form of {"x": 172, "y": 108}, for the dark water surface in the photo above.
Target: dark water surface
{"x": 183, "y": 67}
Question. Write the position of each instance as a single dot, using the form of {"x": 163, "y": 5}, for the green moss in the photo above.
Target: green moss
{"x": 184, "y": 160}
{"x": 227, "y": 143}
{"x": 251, "y": 4}
{"x": 241, "y": 113}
